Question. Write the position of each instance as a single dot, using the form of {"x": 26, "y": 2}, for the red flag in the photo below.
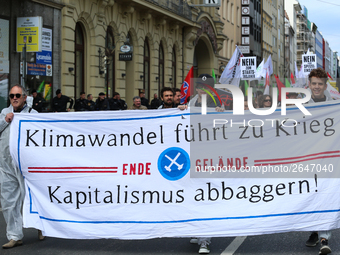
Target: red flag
{"x": 292, "y": 78}
{"x": 279, "y": 85}
{"x": 329, "y": 76}
{"x": 185, "y": 88}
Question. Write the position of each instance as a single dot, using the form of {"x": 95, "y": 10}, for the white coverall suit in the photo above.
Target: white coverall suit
{"x": 12, "y": 189}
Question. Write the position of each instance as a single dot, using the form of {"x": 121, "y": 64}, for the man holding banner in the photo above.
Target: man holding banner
{"x": 12, "y": 182}
{"x": 167, "y": 96}
{"x": 318, "y": 86}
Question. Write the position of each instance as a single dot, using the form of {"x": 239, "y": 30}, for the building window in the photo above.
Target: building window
{"x": 225, "y": 48}
{"x": 274, "y": 21}
{"x": 228, "y": 49}
{"x": 173, "y": 67}
{"x": 110, "y": 67}
{"x": 160, "y": 68}
{"x": 79, "y": 61}
{"x": 232, "y": 14}
{"x": 146, "y": 71}
{"x": 279, "y": 55}
{"x": 274, "y": 41}
{"x": 228, "y": 10}
{"x": 231, "y": 48}
{"x": 251, "y": 26}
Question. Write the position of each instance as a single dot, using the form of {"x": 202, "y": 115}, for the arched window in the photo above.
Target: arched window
{"x": 173, "y": 63}
{"x": 146, "y": 69}
{"x": 110, "y": 67}
{"x": 79, "y": 81}
{"x": 160, "y": 68}
{"x": 195, "y": 64}
{"x": 224, "y": 8}
{"x": 228, "y": 10}
{"x": 228, "y": 49}
{"x": 232, "y": 14}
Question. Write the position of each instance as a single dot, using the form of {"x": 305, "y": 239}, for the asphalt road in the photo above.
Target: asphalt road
{"x": 282, "y": 244}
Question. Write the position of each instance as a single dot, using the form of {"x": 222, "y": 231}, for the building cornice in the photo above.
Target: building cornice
{"x": 49, "y": 3}
{"x": 155, "y": 9}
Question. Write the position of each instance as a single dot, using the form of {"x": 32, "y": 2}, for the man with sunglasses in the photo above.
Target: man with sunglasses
{"x": 12, "y": 183}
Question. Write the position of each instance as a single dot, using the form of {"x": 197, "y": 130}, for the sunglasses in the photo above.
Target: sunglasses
{"x": 11, "y": 96}
{"x": 267, "y": 100}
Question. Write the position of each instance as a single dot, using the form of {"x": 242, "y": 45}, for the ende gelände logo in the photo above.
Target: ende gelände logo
{"x": 173, "y": 163}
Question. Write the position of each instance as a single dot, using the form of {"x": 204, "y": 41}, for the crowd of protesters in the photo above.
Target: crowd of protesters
{"x": 61, "y": 103}
{"x": 12, "y": 192}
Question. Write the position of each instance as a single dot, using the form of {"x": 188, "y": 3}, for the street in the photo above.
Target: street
{"x": 283, "y": 244}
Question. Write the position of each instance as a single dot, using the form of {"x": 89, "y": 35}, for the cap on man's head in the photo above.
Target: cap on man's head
{"x": 141, "y": 91}
{"x": 205, "y": 79}
{"x": 58, "y": 91}
{"x": 101, "y": 94}
{"x": 34, "y": 91}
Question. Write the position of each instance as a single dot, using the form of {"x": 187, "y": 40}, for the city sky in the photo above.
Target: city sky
{"x": 326, "y": 15}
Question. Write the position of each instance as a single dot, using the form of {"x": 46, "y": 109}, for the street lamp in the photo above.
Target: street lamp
{"x": 104, "y": 59}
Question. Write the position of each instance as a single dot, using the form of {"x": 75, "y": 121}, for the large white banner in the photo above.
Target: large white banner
{"x": 126, "y": 174}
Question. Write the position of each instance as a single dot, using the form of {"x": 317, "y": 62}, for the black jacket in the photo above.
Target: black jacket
{"x": 102, "y": 105}
{"x": 60, "y": 104}
{"x": 155, "y": 103}
{"x": 80, "y": 105}
{"x": 144, "y": 101}
{"x": 91, "y": 106}
{"x": 38, "y": 103}
{"x": 116, "y": 104}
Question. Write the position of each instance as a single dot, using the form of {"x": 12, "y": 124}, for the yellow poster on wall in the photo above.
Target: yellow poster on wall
{"x": 29, "y": 31}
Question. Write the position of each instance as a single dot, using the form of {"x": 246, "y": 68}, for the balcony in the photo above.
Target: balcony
{"x": 180, "y": 7}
